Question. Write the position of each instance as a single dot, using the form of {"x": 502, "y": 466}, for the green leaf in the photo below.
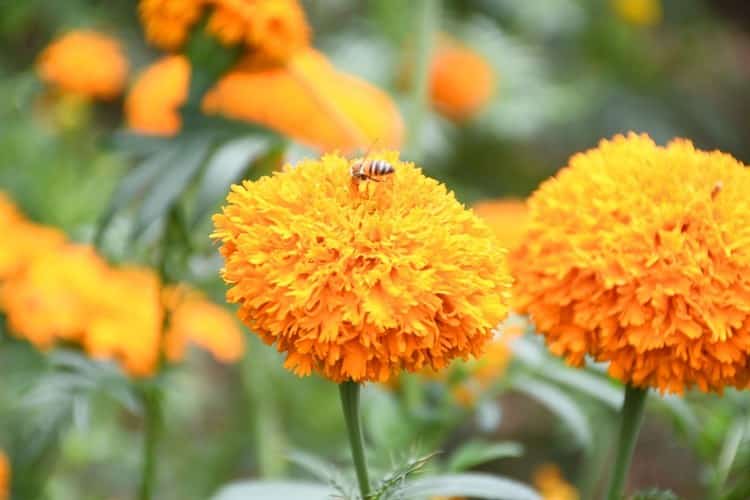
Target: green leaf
{"x": 174, "y": 179}
{"x": 274, "y": 490}
{"x": 473, "y": 485}
{"x": 478, "y": 452}
{"x": 229, "y": 164}
{"x": 654, "y": 494}
{"x": 560, "y": 404}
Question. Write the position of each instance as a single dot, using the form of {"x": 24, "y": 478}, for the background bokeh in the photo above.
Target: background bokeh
{"x": 568, "y": 73}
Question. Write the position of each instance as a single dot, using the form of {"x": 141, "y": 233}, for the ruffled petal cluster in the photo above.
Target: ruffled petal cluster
{"x": 357, "y": 280}
{"x": 552, "y": 485}
{"x": 309, "y": 100}
{"x": 153, "y": 104}
{"x": 61, "y": 292}
{"x": 507, "y": 218}
{"x": 461, "y": 81}
{"x": 5, "y": 474}
{"x": 639, "y": 255}
{"x": 167, "y": 23}
{"x": 86, "y": 63}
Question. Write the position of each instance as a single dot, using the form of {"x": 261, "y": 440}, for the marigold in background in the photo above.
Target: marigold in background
{"x": 552, "y": 485}
{"x": 309, "y": 100}
{"x": 86, "y": 63}
{"x": 639, "y": 255}
{"x": 153, "y": 104}
{"x": 5, "y": 472}
{"x": 168, "y": 22}
{"x": 639, "y": 12}
{"x": 357, "y": 280}
{"x": 273, "y": 29}
{"x": 72, "y": 295}
{"x": 461, "y": 81}
{"x": 507, "y": 218}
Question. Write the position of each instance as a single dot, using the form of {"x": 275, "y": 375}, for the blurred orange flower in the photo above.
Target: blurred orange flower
{"x": 168, "y": 22}
{"x": 73, "y": 295}
{"x": 507, "y": 218}
{"x": 461, "y": 81}
{"x": 309, "y": 100}
{"x": 5, "y": 472}
{"x": 195, "y": 320}
{"x": 272, "y": 29}
{"x": 86, "y": 63}
{"x": 23, "y": 240}
{"x": 153, "y": 104}
{"x": 638, "y": 12}
{"x": 359, "y": 280}
{"x": 639, "y": 255}
{"x": 552, "y": 485}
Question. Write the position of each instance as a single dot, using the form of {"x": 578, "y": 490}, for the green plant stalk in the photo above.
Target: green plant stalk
{"x": 630, "y": 424}
{"x": 427, "y": 18}
{"x": 349, "y": 392}
{"x": 151, "y": 396}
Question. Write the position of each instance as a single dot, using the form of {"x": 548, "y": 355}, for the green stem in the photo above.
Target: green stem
{"x": 349, "y": 392}
{"x": 152, "y": 405}
{"x": 427, "y": 22}
{"x": 632, "y": 417}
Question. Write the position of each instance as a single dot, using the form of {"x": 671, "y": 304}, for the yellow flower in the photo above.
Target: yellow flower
{"x": 168, "y": 22}
{"x": 639, "y": 255}
{"x": 358, "y": 280}
{"x": 507, "y": 218}
{"x": 638, "y": 12}
{"x": 5, "y": 472}
{"x": 274, "y": 29}
{"x": 552, "y": 485}
{"x": 309, "y": 100}
{"x": 461, "y": 81}
{"x": 195, "y": 320}
{"x": 153, "y": 104}
{"x": 85, "y": 63}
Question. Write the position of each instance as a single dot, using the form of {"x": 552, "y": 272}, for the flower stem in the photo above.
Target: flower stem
{"x": 152, "y": 404}
{"x": 349, "y": 392}
{"x": 632, "y": 416}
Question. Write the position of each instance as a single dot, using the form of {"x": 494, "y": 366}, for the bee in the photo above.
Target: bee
{"x": 370, "y": 169}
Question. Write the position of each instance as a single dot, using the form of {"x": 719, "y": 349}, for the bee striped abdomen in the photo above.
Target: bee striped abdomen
{"x": 371, "y": 169}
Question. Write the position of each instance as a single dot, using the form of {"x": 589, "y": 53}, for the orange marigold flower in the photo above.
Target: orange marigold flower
{"x": 506, "y": 217}
{"x": 85, "y": 63}
{"x": 168, "y": 22}
{"x": 195, "y": 320}
{"x": 357, "y": 280}
{"x": 274, "y": 29}
{"x": 638, "y": 12}
{"x": 310, "y": 101}
{"x": 23, "y": 240}
{"x": 5, "y": 472}
{"x": 552, "y": 485}
{"x": 639, "y": 255}
{"x": 461, "y": 81}
{"x": 153, "y": 104}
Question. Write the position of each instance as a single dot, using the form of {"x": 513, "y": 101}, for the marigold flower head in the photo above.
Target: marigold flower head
{"x": 195, "y": 320}
{"x": 153, "y": 104}
{"x": 357, "y": 280}
{"x": 552, "y": 484}
{"x": 639, "y": 255}
{"x": 507, "y": 218}
{"x": 638, "y": 12}
{"x": 86, "y": 63}
{"x": 5, "y": 472}
{"x": 168, "y": 22}
{"x": 274, "y": 29}
{"x": 309, "y": 100}
{"x": 461, "y": 81}
{"x": 23, "y": 240}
